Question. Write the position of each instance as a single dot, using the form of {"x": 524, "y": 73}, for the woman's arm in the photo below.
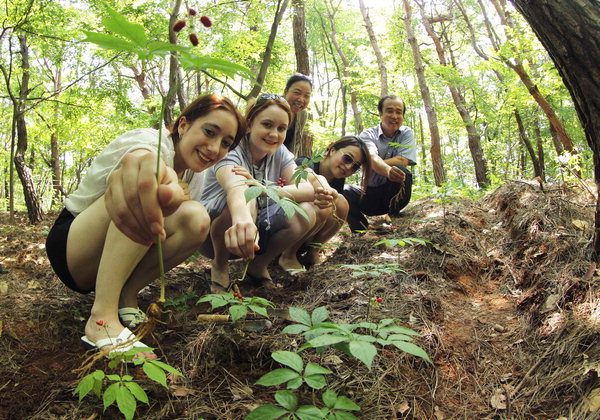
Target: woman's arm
{"x": 240, "y": 237}
{"x": 136, "y": 202}
{"x": 303, "y": 192}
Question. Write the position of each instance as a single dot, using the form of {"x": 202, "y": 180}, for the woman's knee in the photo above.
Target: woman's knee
{"x": 191, "y": 218}
{"x": 341, "y": 207}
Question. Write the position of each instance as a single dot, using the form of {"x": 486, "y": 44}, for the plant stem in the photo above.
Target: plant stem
{"x": 161, "y": 264}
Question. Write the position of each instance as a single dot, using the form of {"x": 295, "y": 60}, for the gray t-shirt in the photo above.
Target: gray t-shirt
{"x": 213, "y": 196}
{"x": 378, "y": 143}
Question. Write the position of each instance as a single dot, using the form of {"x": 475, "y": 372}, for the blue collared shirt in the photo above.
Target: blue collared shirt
{"x": 379, "y": 144}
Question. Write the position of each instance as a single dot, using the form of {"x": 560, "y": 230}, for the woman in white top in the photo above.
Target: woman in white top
{"x": 104, "y": 240}
{"x": 233, "y": 229}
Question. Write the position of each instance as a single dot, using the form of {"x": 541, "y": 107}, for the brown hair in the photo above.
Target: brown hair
{"x": 357, "y": 142}
{"x": 204, "y": 105}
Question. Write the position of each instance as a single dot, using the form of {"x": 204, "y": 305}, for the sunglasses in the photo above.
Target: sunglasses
{"x": 266, "y": 96}
{"x": 347, "y": 160}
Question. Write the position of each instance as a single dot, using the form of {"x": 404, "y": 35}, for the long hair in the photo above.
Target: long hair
{"x": 204, "y": 105}
{"x": 366, "y": 156}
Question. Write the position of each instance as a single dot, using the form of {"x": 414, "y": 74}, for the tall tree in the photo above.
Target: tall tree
{"x": 266, "y": 57}
{"x": 331, "y": 12}
{"x": 439, "y": 174}
{"x": 460, "y": 103}
{"x": 378, "y": 55}
{"x": 570, "y": 31}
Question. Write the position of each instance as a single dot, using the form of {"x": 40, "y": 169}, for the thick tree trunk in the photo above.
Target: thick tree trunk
{"x": 527, "y": 143}
{"x": 439, "y": 174}
{"x": 358, "y": 125}
{"x": 376, "y": 50}
{"x": 299, "y": 30}
{"x": 34, "y": 210}
{"x": 569, "y": 30}
{"x": 475, "y": 148}
{"x": 266, "y": 58}
{"x": 303, "y": 147}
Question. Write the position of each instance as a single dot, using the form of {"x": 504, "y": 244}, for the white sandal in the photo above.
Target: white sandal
{"x": 132, "y": 317}
{"x": 124, "y": 342}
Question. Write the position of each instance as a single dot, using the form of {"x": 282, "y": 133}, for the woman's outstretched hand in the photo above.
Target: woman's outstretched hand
{"x": 136, "y": 202}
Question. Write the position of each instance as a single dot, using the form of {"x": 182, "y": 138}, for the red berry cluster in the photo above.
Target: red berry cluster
{"x": 377, "y": 299}
{"x": 238, "y": 296}
{"x": 281, "y": 182}
{"x": 180, "y": 24}
{"x": 100, "y": 322}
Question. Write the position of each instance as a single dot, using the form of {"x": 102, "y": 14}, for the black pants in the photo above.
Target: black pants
{"x": 377, "y": 200}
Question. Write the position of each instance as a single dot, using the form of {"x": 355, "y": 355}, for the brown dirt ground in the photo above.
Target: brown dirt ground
{"x": 505, "y": 299}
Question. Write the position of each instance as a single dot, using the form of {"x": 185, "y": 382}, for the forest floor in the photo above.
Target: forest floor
{"x": 504, "y": 297}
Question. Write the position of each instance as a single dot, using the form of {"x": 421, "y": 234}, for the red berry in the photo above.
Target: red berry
{"x": 393, "y": 227}
{"x": 192, "y": 12}
{"x": 194, "y": 39}
{"x": 179, "y": 25}
{"x": 379, "y": 300}
{"x": 206, "y": 21}
{"x": 101, "y": 323}
{"x": 235, "y": 294}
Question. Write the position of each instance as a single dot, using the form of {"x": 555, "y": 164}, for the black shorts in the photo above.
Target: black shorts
{"x": 271, "y": 219}
{"x": 56, "y": 248}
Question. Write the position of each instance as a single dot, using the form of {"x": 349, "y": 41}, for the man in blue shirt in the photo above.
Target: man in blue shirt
{"x": 393, "y": 150}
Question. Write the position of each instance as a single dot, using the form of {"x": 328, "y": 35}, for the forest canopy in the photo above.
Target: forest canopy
{"x": 484, "y": 98}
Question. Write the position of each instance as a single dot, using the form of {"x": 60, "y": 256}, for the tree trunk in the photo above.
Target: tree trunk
{"x": 527, "y": 143}
{"x": 303, "y": 147}
{"x": 439, "y": 174}
{"x": 474, "y": 137}
{"x": 423, "y": 151}
{"x": 540, "y": 147}
{"x": 375, "y": 45}
{"x": 174, "y": 89}
{"x": 519, "y": 69}
{"x": 34, "y": 210}
{"x": 299, "y": 29}
{"x": 569, "y": 29}
{"x": 266, "y": 58}
{"x": 358, "y": 125}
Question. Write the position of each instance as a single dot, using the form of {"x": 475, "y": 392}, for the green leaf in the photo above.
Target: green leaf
{"x": 190, "y": 61}
{"x": 110, "y": 395}
{"x": 273, "y": 195}
{"x": 345, "y": 403}
{"x": 109, "y": 42}
{"x": 295, "y": 329}
{"x": 167, "y": 367}
{"x": 319, "y": 315}
{"x": 155, "y": 373}
{"x": 329, "y": 398}
{"x": 308, "y": 412}
{"x": 315, "y": 369}
{"x": 119, "y": 24}
{"x": 277, "y": 377}
{"x": 363, "y": 351}
{"x": 326, "y": 340}
{"x": 261, "y": 310}
{"x": 85, "y": 385}
{"x": 126, "y": 402}
{"x": 315, "y": 381}
{"x": 300, "y": 315}
{"x": 295, "y": 383}
{"x": 287, "y": 399}
{"x": 413, "y": 349}
{"x": 266, "y": 412}
{"x": 98, "y": 374}
{"x": 398, "y": 329}
{"x": 237, "y": 312}
{"x": 137, "y": 391}
{"x": 163, "y": 48}
{"x": 289, "y": 358}
{"x": 399, "y": 337}
{"x": 253, "y": 192}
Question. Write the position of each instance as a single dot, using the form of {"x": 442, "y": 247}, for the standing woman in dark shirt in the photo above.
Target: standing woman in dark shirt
{"x": 297, "y": 93}
{"x": 342, "y": 159}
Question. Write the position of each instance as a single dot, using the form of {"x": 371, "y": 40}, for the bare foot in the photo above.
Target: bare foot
{"x": 219, "y": 279}
{"x": 313, "y": 257}
{"x": 290, "y": 264}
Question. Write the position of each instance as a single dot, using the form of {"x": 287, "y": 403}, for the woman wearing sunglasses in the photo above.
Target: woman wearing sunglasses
{"x": 233, "y": 229}
{"x": 342, "y": 159}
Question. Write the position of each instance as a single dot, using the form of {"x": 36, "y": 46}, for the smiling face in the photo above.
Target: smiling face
{"x": 205, "y": 141}
{"x": 298, "y": 96}
{"x": 343, "y": 162}
{"x": 267, "y": 131}
{"x": 392, "y": 115}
